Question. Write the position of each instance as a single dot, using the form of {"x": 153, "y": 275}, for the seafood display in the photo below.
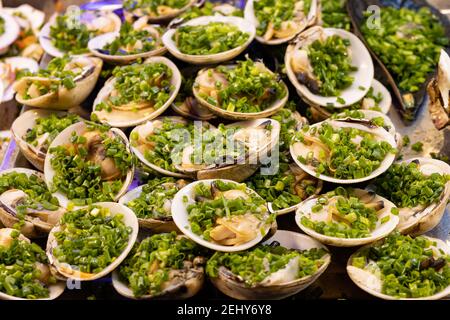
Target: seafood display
{"x": 224, "y": 149}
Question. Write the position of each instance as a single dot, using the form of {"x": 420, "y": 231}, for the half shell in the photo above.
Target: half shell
{"x": 188, "y": 282}
{"x": 416, "y": 221}
{"x": 371, "y": 284}
{"x": 143, "y": 111}
{"x": 96, "y": 44}
{"x": 276, "y": 105}
{"x": 307, "y": 20}
{"x": 438, "y": 91}
{"x": 62, "y": 99}
{"x": 232, "y": 286}
{"x": 66, "y": 271}
{"x": 11, "y": 32}
{"x": 101, "y": 18}
{"x": 64, "y": 138}
{"x": 242, "y": 24}
{"x": 55, "y": 290}
{"x": 180, "y": 217}
{"x": 381, "y": 230}
{"x": 8, "y": 71}
{"x": 296, "y": 53}
{"x": 165, "y": 12}
{"x": 300, "y": 149}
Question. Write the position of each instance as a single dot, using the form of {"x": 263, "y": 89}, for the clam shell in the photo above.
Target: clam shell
{"x": 198, "y": 112}
{"x": 180, "y": 217}
{"x": 276, "y": 106}
{"x": 187, "y": 290}
{"x": 360, "y": 277}
{"x": 294, "y": 207}
{"x": 147, "y": 163}
{"x": 64, "y": 138}
{"x": 360, "y": 58}
{"x": 17, "y": 63}
{"x": 100, "y": 41}
{"x": 11, "y": 33}
{"x": 319, "y": 113}
{"x": 155, "y": 225}
{"x": 438, "y": 91}
{"x": 381, "y": 230}
{"x": 64, "y": 270}
{"x": 381, "y": 133}
{"x": 310, "y": 20}
{"x": 162, "y": 18}
{"x": 130, "y": 118}
{"x": 240, "y": 172}
{"x": 55, "y": 290}
{"x": 46, "y": 41}
{"x": 238, "y": 290}
{"x": 432, "y": 215}
{"x": 242, "y": 24}
{"x": 32, "y": 15}
{"x": 62, "y": 99}
{"x": 32, "y": 228}
{"x": 19, "y": 128}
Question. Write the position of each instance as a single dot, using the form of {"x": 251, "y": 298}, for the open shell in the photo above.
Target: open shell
{"x": 46, "y": 41}
{"x": 299, "y": 175}
{"x": 258, "y": 153}
{"x": 409, "y": 103}
{"x": 55, "y": 290}
{"x": 9, "y": 68}
{"x": 242, "y": 24}
{"x": 426, "y": 219}
{"x": 66, "y": 271}
{"x": 169, "y": 13}
{"x": 309, "y": 20}
{"x": 138, "y": 147}
{"x": 438, "y": 90}
{"x": 19, "y": 128}
{"x": 64, "y": 138}
{"x": 276, "y": 105}
{"x": 129, "y": 118}
{"x": 153, "y": 224}
{"x": 381, "y": 230}
{"x": 298, "y": 148}
{"x": 190, "y": 108}
{"x": 96, "y": 44}
{"x": 180, "y": 217}
{"x": 33, "y": 227}
{"x": 230, "y": 284}
{"x": 11, "y": 33}
{"x": 360, "y": 58}
{"x": 62, "y": 99}
{"x": 193, "y": 282}
{"x": 367, "y": 281}
{"x": 319, "y": 113}
{"x": 31, "y": 18}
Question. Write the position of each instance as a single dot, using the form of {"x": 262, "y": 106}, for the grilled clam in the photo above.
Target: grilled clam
{"x": 421, "y": 216}
{"x": 229, "y": 233}
{"x": 116, "y": 47}
{"x": 170, "y": 39}
{"x": 41, "y": 271}
{"x": 32, "y": 142}
{"x": 10, "y": 32}
{"x": 211, "y": 81}
{"x": 301, "y": 72}
{"x": 164, "y": 11}
{"x": 49, "y": 92}
{"x": 82, "y": 28}
{"x": 323, "y": 218}
{"x": 19, "y": 205}
{"x": 438, "y": 89}
{"x": 304, "y": 14}
{"x": 176, "y": 257}
{"x": 327, "y": 161}
{"x": 64, "y": 270}
{"x": 155, "y": 72}
{"x": 283, "y": 283}
{"x": 152, "y": 204}
{"x": 9, "y": 68}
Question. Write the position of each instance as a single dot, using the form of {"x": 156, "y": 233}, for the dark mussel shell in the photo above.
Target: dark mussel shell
{"x": 356, "y": 9}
